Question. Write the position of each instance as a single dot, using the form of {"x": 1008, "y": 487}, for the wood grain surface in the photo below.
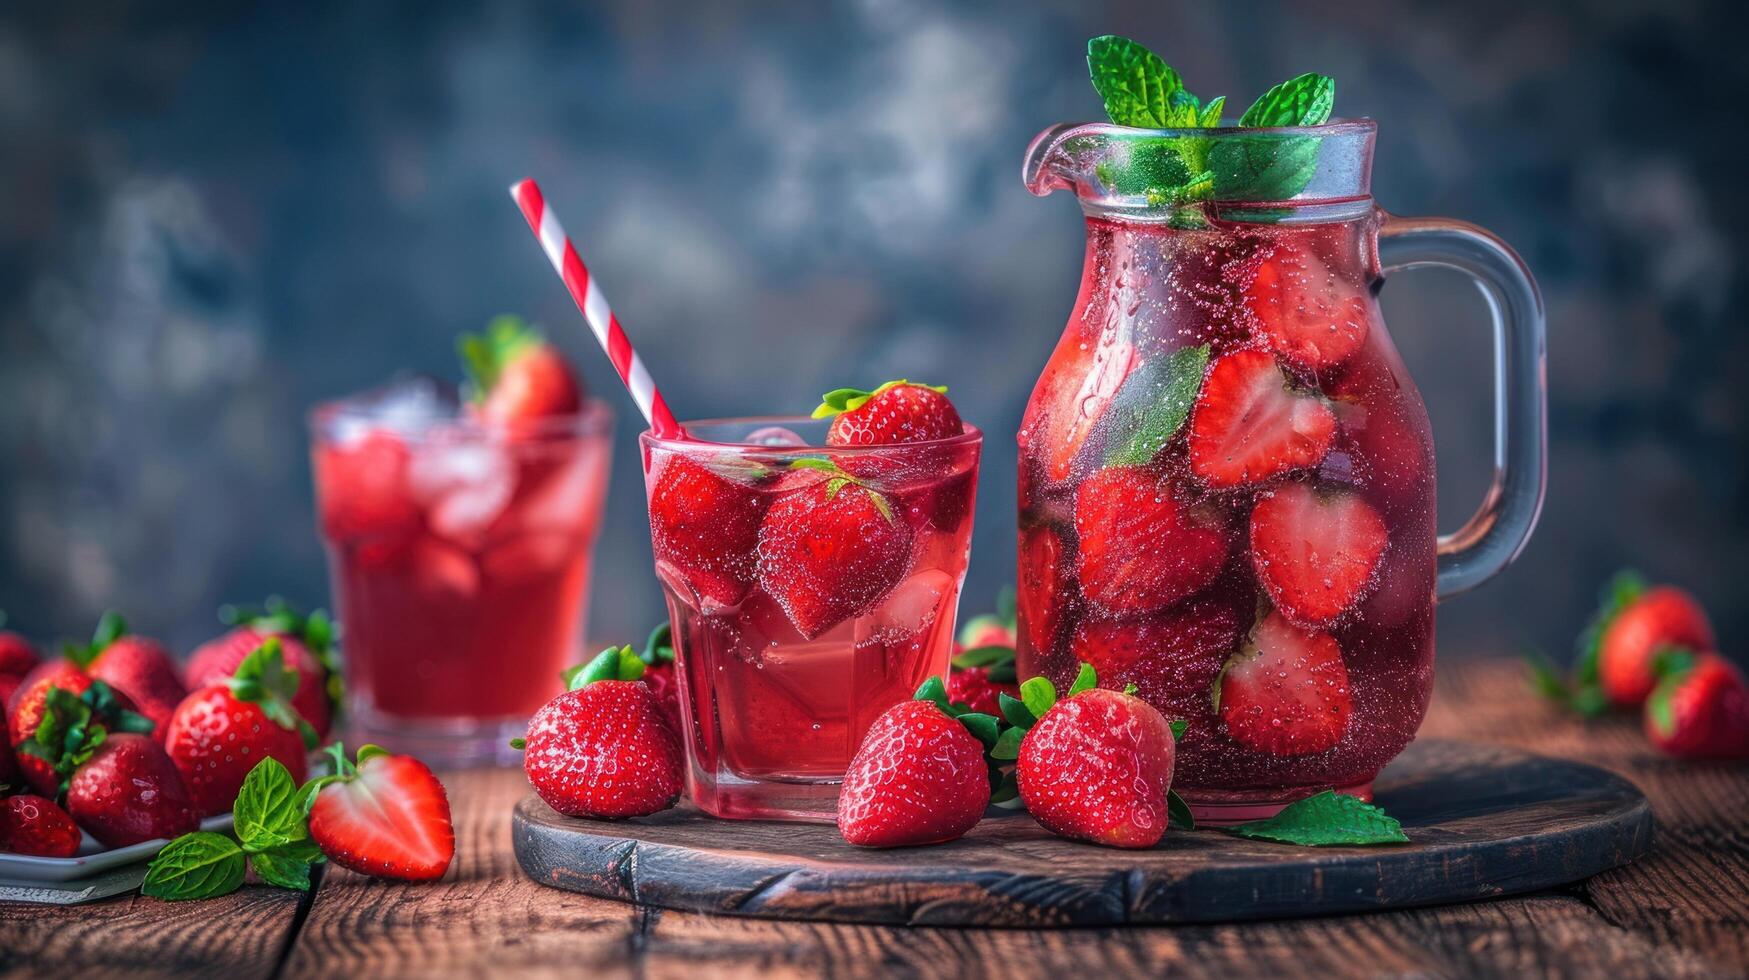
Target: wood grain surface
{"x": 1484, "y": 821}
{"x": 1680, "y": 911}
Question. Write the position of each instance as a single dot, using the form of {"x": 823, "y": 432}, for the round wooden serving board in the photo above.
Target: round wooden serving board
{"x": 1482, "y": 821}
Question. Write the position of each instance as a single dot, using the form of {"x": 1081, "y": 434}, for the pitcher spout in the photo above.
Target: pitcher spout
{"x": 1060, "y": 158}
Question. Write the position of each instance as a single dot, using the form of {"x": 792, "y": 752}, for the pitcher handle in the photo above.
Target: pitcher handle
{"x": 1498, "y": 530}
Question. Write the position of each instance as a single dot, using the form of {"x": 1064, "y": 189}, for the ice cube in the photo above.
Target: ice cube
{"x": 775, "y": 435}
{"x": 463, "y": 486}
{"x": 562, "y": 492}
{"x": 912, "y": 607}
{"x": 529, "y": 557}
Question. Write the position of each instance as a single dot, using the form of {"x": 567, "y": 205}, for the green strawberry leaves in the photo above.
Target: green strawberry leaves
{"x": 316, "y": 631}
{"x": 659, "y": 647}
{"x": 997, "y": 661}
{"x": 987, "y": 729}
{"x": 485, "y": 355}
{"x": 840, "y": 400}
{"x": 110, "y": 628}
{"x": 272, "y": 836}
{"x": 1153, "y": 405}
{"x": 1329, "y": 819}
{"x": 612, "y": 664}
{"x": 264, "y": 679}
{"x": 73, "y": 726}
{"x": 841, "y": 479}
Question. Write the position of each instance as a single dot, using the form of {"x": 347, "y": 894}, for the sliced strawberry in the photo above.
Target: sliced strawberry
{"x": 1387, "y": 431}
{"x": 1143, "y": 545}
{"x": 387, "y": 816}
{"x": 1700, "y": 710}
{"x": 831, "y": 551}
{"x": 706, "y": 525}
{"x": 1312, "y": 318}
{"x": 516, "y": 377}
{"x": 1078, "y": 385}
{"x": 1172, "y": 657}
{"x": 1249, "y": 424}
{"x": 1043, "y": 587}
{"x": 896, "y": 412}
{"x": 1286, "y": 692}
{"x": 35, "y": 825}
{"x": 363, "y": 490}
{"x": 1316, "y": 550}
{"x": 1659, "y": 619}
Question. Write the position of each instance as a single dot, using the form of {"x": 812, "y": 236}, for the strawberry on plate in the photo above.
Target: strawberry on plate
{"x": 1700, "y": 709}
{"x": 604, "y": 748}
{"x": 831, "y": 550}
{"x": 1311, "y": 318}
{"x": 29, "y": 705}
{"x": 1634, "y": 627}
{"x": 1286, "y": 692}
{"x": 1316, "y": 550}
{"x": 306, "y": 643}
{"x": 1078, "y": 386}
{"x": 17, "y": 656}
{"x": 35, "y": 825}
{"x": 134, "y": 665}
{"x": 706, "y": 525}
{"x": 384, "y": 815}
{"x": 515, "y": 377}
{"x": 919, "y": 777}
{"x": 221, "y": 731}
{"x": 10, "y": 774}
{"x": 1144, "y": 546}
{"x": 1097, "y": 767}
{"x": 1250, "y": 424}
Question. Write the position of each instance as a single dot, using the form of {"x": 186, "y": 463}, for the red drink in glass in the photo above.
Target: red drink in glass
{"x": 460, "y": 559}
{"x": 805, "y": 599}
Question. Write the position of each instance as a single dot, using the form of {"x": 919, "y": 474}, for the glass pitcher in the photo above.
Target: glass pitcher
{"x": 1226, "y": 474}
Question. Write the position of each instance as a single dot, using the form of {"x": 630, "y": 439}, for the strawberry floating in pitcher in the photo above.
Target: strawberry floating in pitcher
{"x": 1251, "y": 424}
{"x": 1312, "y": 319}
{"x": 515, "y": 377}
{"x": 134, "y": 665}
{"x": 222, "y": 730}
{"x": 1144, "y": 544}
{"x": 1316, "y": 550}
{"x": 1286, "y": 693}
{"x": 604, "y": 748}
{"x": 920, "y": 775}
{"x": 829, "y": 550}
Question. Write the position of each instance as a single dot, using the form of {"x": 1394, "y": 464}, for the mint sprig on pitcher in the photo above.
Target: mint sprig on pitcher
{"x": 1183, "y": 172}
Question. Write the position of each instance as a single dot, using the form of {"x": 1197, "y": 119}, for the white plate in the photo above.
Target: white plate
{"x": 91, "y": 859}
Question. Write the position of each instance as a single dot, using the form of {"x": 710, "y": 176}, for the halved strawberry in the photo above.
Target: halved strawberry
{"x": 828, "y": 551}
{"x": 896, "y": 412}
{"x": 516, "y": 377}
{"x": 1251, "y": 424}
{"x": 1313, "y": 319}
{"x": 1143, "y": 545}
{"x": 1316, "y": 550}
{"x": 385, "y": 816}
{"x": 707, "y": 526}
{"x": 1386, "y": 429}
{"x": 1286, "y": 692}
{"x": 1043, "y": 587}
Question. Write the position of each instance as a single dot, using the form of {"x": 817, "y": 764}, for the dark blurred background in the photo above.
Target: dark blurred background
{"x": 214, "y": 215}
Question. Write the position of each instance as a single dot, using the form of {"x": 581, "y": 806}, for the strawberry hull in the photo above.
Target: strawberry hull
{"x": 1272, "y": 413}
{"x": 463, "y": 585}
{"x": 849, "y": 608}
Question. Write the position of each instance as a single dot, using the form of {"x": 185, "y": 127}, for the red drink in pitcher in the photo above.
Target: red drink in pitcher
{"x": 810, "y": 588}
{"x": 1227, "y": 476}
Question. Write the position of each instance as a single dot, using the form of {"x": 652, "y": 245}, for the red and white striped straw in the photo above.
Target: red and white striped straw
{"x": 594, "y": 307}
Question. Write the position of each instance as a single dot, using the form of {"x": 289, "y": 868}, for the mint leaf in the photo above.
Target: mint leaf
{"x": 1305, "y": 100}
{"x": 268, "y": 811}
{"x": 1152, "y": 405}
{"x": 1135, "y": 84}
{"x": 1178, "y": 812}
{"x": 198, "y": 865}
{"x": 1329, "y": 819}
{"x": 287, "y": 870}
{"x": 1178, "y": 728}
{"x": 1274, "y": 167}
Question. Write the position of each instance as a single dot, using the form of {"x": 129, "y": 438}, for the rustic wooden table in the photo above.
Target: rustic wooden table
{"x": 1682, "y": 911}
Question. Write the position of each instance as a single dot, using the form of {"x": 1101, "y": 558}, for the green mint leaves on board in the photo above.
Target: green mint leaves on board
{"x": 1329, "y": 819}
{"x": 272, "y": 836}
{"x": 1181, "y": 172}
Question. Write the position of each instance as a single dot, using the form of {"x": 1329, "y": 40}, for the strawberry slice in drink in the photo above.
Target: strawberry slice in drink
{"x": 1250, "y": 424}
{"x": 1311, "y": 318}
{"x": 1144, "y": 545}
{"x": 1078, "y": 385}
{"x": 1286, "y": 693}
{"x": 707, "y": 526}
{"x": 1316, "y": 550}
{"x": 1044, "y": 589}
{"x": 1386, "y": 430}
{"x": 1172, "y": 657}
{"x": 830, "y": 550}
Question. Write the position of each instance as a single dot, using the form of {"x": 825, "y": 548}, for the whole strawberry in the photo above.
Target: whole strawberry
{"x": 221, "y": 731}
{"x": 1096, "y": 765}
{"x": 307, "y": 643}
{"x": 604, "y": 747}
{"x": 17, "y": 656}
{"x": 1144, "y": 544}
{"x": 34, "y": 825}
{"x": 385, "y": 815}
{"x": 10, "y": 774}
{"x": 1700, "y": 709}
{"x": 919, "y": 777}
{"x": 896, "y": 412}
{"x": 516, "y": 378}
{"x": 830, "y": 549}
{"x": 55, "y": 682}
{"x": 1286, "y": 691}
{"x": 705, "y": 525}
{"x": 1636, "y": 625}
{"x": 136, "y": 666}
